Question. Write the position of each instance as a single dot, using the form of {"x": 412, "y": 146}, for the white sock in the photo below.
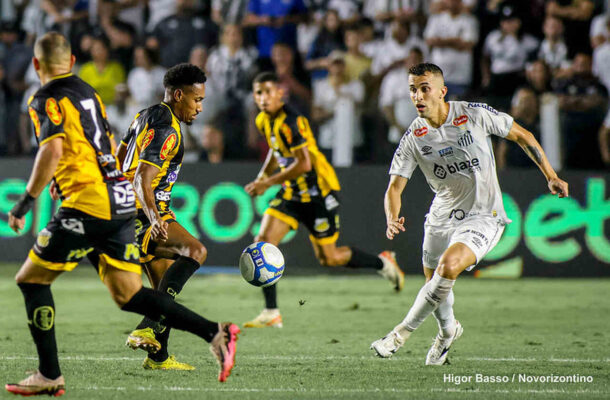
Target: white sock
{"x": 429, "y": 297}
{"x": 444, "y": 316}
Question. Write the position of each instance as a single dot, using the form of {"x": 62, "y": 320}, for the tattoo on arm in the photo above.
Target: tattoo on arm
{"x": 534, "y": 154}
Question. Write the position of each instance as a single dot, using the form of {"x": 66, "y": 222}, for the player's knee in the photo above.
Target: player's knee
{"x": 197, "y": 252}
{"x": 449, "y": 267}
{"x": 121, "y": 297}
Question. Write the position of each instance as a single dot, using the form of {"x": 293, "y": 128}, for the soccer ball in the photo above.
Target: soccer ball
{"x": 261, "y": 264}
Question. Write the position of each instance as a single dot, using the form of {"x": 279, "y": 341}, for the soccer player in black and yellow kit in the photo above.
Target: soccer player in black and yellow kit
{"x": 309, "y": 194}
{"x": 151, "y": 157}
{"x": 96, "y": 219}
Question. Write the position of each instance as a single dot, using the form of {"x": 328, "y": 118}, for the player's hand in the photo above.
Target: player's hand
{"x": 257, "y": 187}
{"x": 16, "y": 224}
{"x": 53, "y": 191}
{"x": 395, "y": 227}
{"x": 558, "y": 187}
{"x": 158, "y": 231}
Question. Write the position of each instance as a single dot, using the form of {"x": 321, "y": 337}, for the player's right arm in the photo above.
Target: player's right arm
{"x": 392, "y": 203}
{"x": 269, "y": 166}
{"x": 121, "y": 152}
{"x": 47, "y": 158}
{"x": 142, "y": 183}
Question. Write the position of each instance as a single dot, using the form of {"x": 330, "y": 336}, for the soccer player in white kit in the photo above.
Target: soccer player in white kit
{"x": 450, "y": 142}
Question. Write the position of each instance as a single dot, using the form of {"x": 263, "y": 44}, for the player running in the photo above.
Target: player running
{"x": 96, "y": 219}
{"x": 308, "y": 194}
{"x": 151, "y": 156}
{"x": 451, "y": 143}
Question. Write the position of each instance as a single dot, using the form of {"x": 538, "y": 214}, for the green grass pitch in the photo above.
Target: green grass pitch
{"x": 533, "y": 327}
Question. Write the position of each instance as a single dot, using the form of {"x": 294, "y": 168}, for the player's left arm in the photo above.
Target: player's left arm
{"x": 47, "y": 158}
{"x": 532, "y": 148}
{"x": 121, "y": 152}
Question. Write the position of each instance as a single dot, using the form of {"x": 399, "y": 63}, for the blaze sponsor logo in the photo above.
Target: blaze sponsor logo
{"x": 35, "y": 120}
{"x": 461, "y": 120}
{"x": 52, "y": 109}
{"x": 168, "y": 146}
{"x": 467, "y": 165}
{"x": 148, "y": 137}
{"x": 426, "y": 150}
{"x": 420, "y": 132}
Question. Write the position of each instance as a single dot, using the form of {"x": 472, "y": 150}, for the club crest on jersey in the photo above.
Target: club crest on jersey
{"x": 321, "y": 225}
{"x": 35, "y": 120}
{"x": 461, "y": 120}
{"x": 287, "y": 133}
{"x": 420, "y": 132}
{"x": 465, "y": 140}
{"x": 168, "y": 146}
{"x": 148, "y": 137}
{"x": 52, "y": 109}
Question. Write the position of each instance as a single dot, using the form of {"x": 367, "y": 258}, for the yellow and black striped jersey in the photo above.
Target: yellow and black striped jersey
{"x": 289, "y": 131}
{"x": 155, "y": 138}
{"x": 86, "y": 176}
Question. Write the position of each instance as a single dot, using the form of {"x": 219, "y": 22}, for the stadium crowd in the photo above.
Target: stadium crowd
{"x": 341, "y": 62}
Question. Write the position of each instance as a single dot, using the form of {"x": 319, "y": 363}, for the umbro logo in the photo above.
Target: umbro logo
{"x": 426, "y": 150}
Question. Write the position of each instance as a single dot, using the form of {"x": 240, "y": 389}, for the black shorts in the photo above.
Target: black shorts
{"x": 320, "y": 216}
{"x": 143, "y": 230}
{"x": 72, "y": 235}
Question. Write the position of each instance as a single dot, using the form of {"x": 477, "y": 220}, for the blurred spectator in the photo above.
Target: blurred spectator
{"x": 307, "y": 30}
{"x": 553, "y": 49}
{"x": 70, "y": 17}
{"x": 327, "y": 94}
{"x": 451, "y": 35}
{"x": 229, "y": 11}
{"x": 601, "y": 62}
{"x": 524, "y": 110}
{"x": 329, "y": 38}
{"x": 292, "y": 79}
{"x": 26, "y": 134}
{"x": 14, "y": 58}
{"x": 538, "y": 76}
{"x": 145, "y": 81}
{"x": 357, "y": 65}
{"x": 393, "y": 50}
{"x": 130, "y": 12}
{"x": 158, "y": 10}
{"x": 212, "y": 144}
{"x": 439, "y": 6}
{"x": 275, "y": 21}
{"x": 122, "y": 112}
{"x": 101, "y": 72}
{"x": 199, "y": 57}
{"x": 600, "y": 32}
{"x": 576, "y": 16}
{"x": 122, "y": 38}
{"x": 230, "y": 68}
{"x": 370, "y": 43}
{"x": 348, "y": 11}
{"x": 604, "y": 140}
{"x": 383, "y": 12}
{"x": 582, "y": 100}
{"x": 177, "y": 34}
{"x": 505, "y": 52}
{"x": 395, "y": 97}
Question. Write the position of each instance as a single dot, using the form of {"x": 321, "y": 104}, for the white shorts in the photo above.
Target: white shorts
{"x": 479, "y": 233}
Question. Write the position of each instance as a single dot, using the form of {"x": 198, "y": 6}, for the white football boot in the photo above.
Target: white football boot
{"x": 437, "y": 355}
{"x": 388, "y": 345}
{"x": 268, "y": 317}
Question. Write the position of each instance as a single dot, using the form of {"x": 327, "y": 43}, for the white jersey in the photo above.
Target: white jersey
{"x": 458, "y": 162}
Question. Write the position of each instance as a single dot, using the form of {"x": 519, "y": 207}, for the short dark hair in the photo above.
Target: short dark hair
{"x": 421, "y": 69}
{"x": 183, "y": 75}
{"x": 267, "y": 76}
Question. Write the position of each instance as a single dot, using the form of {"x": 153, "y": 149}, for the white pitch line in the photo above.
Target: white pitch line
{"x": 337, "y": 390}
{"x": 329, "y": 358}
